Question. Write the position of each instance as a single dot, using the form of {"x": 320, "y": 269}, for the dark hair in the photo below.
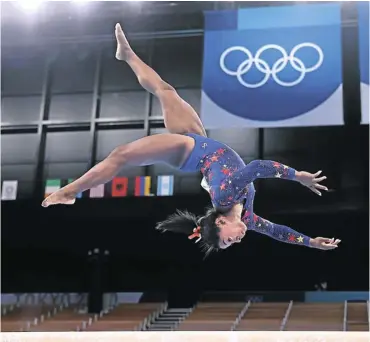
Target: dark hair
{"x": 185, "y": 222}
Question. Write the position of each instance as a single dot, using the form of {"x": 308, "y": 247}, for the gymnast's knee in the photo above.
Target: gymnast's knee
{"x": 163, "y": 89}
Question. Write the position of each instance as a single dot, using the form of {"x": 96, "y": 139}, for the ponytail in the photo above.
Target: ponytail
{"x": 179, "y": 222}
{"x": 204, "y": 228}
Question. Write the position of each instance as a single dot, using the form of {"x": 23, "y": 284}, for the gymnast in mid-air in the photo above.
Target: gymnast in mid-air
{"x": 186, "y": 147}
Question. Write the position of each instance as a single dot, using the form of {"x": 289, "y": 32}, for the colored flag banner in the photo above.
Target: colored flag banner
{"x": 363, "y": 31}
{"x": 119, "y": 187}
{"x": 97, "y": 192}
{"x": 9, "y": 190}
{"x": 273, "y": 67}
{"x": 142, "y": 186}
{"x": 79, "y": 195}
{"x": 165, "y": 185}
{"x": 52, "y": 185}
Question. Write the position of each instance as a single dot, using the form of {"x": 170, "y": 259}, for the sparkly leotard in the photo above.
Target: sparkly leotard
{"x": 231, "y": 181}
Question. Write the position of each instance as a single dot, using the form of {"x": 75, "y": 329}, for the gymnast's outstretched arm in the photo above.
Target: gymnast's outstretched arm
{"x": 286, "y": 234}
{"x": 271, "y": 169}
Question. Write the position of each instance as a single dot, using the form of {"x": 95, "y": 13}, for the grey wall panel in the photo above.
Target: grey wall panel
{"x": 20, "y": 109}
{"x": 22, "y": 74}
{"x": 67, "y": 147}
{"x": 74, "y": 71}
{"x": 21, "y": 172}
{"x": 64, "y": 170}
{"x": 117, "y": 75}
{"x": 19, "y": 148}
{"x": 179, "y": 61}
{"x": 71, "y": 107}
{"x": 131, "y": 171}
{"x": 244, "y": 140}
{"x": 132, "y": 104}
{"x": 192, "y": 96}
{"x": 109, "y": 140}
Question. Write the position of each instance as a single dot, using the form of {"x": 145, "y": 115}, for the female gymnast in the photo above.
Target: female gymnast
{"x": 225, "y": 176}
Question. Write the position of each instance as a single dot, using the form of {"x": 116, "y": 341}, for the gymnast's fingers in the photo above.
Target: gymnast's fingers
{"x": 318, "y": 180}
{"x": 317, "y": 192}
{"x": 329, "y": 247}
{"x": 322, "y": 187}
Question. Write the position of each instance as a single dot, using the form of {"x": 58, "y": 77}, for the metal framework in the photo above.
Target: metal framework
{"x": 95, "y": 123}
{"x": 43, "y": 125}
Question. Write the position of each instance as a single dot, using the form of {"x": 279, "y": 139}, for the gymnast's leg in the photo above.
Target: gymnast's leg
{"x": 172, "y": 149}
{"x": 179, "y": 116}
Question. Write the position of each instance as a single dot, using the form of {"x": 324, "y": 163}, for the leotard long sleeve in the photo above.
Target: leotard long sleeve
{"x": 276, "y": 231}
{"x": 233, "y": 188}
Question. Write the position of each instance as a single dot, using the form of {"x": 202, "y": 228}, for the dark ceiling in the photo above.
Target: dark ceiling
{"x": 94, "y": 21}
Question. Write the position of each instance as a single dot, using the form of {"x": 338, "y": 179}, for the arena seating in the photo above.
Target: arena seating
{"x": 125, "y": 317}
{"x": 68, "y": 319}
{"x": 17, "y": 319}
{"x": 357, "y": 317}
{"x": 316, "y": 317}
{"x": 223, "y": 316}
{"x": 212, "y": 317}
{"x": 263, "y": 317}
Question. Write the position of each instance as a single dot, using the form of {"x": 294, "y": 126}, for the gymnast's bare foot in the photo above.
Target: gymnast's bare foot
{"x": 123, "y": 47}
{"x": 59, "y": 197}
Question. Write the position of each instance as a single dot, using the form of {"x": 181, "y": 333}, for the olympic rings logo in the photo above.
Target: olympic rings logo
{"x": 277, "y": 67}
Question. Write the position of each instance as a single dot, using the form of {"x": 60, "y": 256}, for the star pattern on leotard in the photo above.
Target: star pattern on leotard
{"x": 222, "y": 165}
{"x": 231, "y": 181}
{"x": 281, "y": 170}
{"x": 276, "y": 231}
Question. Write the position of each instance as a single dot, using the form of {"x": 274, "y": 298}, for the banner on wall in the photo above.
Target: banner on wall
{"x": 165, "y": 185}
{"x": 9, "y": 190}
{"x": 273, "y": 67}
{"x": 119, "y": 187}
{"x": 52, "y": 185}
{"x": 363, "y": 30}
{"x": 143, "y": 185}
{"x": 97, "y": 191}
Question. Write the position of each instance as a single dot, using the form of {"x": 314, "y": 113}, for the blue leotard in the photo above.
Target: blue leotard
{"x": 231, "y": 181}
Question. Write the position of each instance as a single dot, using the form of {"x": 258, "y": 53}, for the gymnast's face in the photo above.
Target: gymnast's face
{"x": 231, "y": 231}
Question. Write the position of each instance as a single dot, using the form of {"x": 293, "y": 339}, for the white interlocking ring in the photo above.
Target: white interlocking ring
{"x": 262, "y": 66}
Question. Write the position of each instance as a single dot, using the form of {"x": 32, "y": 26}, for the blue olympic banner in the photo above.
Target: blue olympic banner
{"x": 363, "y": 30}
{"x": 273, "y": 67}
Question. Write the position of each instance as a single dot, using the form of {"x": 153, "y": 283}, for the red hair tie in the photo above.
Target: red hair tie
{"x": 196, "y": 234}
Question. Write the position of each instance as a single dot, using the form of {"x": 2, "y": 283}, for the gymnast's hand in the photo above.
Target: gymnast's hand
{"x": 324, "y": 243}
{"x": 311, "y": 181}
